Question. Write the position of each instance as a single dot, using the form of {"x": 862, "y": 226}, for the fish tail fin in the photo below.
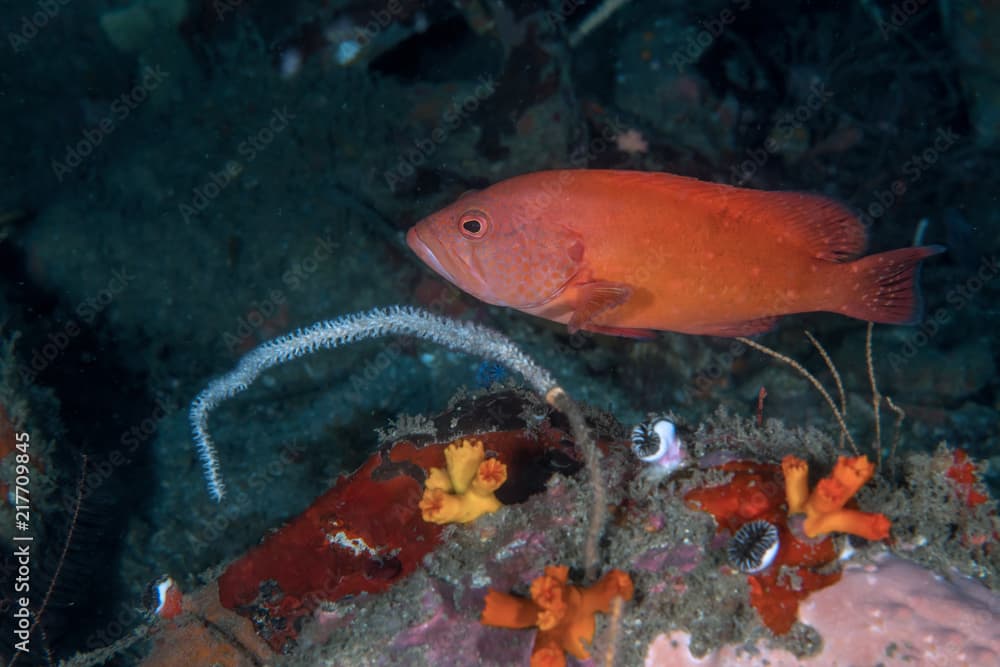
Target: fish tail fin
{"x": 883, "y": 287}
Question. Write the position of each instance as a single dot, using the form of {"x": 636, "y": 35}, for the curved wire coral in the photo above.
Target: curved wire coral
{"x": 394, "y": 320}
{"x": 467, "y": 337}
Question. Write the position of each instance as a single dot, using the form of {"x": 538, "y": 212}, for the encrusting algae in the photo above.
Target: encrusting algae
{"x": 464, "y": 491}
{"x": 563, "y": 614}
{"x": 824, "y": 507}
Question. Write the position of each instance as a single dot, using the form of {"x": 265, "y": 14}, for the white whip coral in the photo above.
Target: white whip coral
{"x": 394, "y": 320}
{"x": 467, "y": 337}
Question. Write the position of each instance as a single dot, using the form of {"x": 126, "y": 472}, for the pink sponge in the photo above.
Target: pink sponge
{"x": 892, "y": 612}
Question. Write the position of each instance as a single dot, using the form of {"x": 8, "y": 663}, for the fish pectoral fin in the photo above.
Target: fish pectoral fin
{"x": 742, "y": 328}
{"x": 595, "y": 298}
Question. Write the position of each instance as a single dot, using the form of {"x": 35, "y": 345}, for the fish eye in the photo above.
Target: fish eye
{"x": 474, "y": 224}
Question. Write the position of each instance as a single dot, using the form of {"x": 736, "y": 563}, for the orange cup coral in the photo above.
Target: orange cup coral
{"x": 464, "y": 490}
{"x": 824, "y": 507}
{"x": 563, "y": 614}
{"x": 801, "y": 567}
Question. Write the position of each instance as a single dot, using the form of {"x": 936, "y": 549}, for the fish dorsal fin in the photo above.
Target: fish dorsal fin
{"x": 821, "y": 226}
{"x": 826, "y": 228}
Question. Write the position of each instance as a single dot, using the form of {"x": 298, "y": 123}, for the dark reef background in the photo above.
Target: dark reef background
{"x": 182, "y": 179}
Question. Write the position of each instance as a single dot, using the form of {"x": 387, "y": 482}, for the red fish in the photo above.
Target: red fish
{"x": 626, "y": 253}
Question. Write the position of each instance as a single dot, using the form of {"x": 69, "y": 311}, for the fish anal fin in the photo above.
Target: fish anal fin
{"x": 742, "y": 328}
{"x": 624, "y": 332}
{"x": 593, "y": 299}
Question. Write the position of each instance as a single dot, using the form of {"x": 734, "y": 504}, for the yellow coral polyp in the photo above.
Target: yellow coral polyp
{"x": 464, "y": 490}
{"x": 796, "y": 483}
{"x": 824, "y": 507}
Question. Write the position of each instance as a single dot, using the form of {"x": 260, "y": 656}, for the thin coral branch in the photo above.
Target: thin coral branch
{"x": 59, "y": 564}
{"x": 561, "y": 401}
{"x": 876, "y": 397}
{"x": 808, "y": 376}
{"x": 102, "y": 655}
{"x": 761, "y": 395}
{"x": 614, "y": 624}
{"x": 897, "y": 427}
{"x": 836, "y": 378}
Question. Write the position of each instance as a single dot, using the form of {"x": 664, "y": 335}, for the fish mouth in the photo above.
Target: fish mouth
{"x": 424, "y": 252}
{"x": 436, "y": 255}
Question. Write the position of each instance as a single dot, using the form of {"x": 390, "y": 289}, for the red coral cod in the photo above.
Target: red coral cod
{"x": 625, "y": 253}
